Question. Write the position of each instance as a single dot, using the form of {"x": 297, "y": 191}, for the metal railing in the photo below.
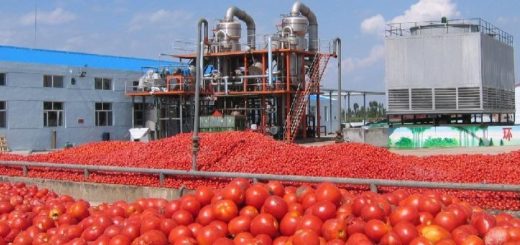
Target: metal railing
{"x": 474, "y": 25}
{"x": 373, "y": 184}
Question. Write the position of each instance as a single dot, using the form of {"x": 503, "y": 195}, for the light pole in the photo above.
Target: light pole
{"x": 337, "y": 52}
{"x": 199, "y": 66}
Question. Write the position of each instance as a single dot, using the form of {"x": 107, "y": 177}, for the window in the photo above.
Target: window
{"x": 103, "y": 83}
{"x": 52, "y": 81}
{"x": 139, "y": 109}
{"x": 103, "y": 114}
{"x": 326, "y": 112}
{"x": 52, "y": 114}
{"x": 3, "y": 115}
{"x": 2, "y": 79}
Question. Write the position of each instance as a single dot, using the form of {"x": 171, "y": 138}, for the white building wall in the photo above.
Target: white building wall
{"x": 24, "y": 94}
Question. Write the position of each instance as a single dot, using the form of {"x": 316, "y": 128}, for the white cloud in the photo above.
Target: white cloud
{"x": 423, "y": 10}
{"x": 54, "y": 17}
{"x": 376, "y": 54}
{"x": 426, "y": 10}
{"x": 373, "y": 25}
{"x": 160, "y": 18}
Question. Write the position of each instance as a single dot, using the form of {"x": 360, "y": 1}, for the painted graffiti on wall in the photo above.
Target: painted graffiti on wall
{"x": 453, "y": 136}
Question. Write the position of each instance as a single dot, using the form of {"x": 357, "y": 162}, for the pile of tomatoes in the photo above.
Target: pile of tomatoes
{"x": 252, "y": 213}
{"x": 255, "y": 153}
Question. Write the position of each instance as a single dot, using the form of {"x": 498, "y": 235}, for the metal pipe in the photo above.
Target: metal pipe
{"x": 287, "y": 178}
{"x": 226, "y": 84}
{"x": 300, "y": 8}
{"x": 199, "y": 67}
{"x": 269, "y": 61}
{"x": 250, "y": 22}
{"x": 337, "y": 53}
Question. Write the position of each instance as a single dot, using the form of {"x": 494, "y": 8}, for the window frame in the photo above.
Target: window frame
{"x": 3, "y": 110}
{"x": 52, "y": 83}
{"x": 3, "y": 78}
{"x": 60, "y": 114}
{"x": 103, "y": 82}
{"x": 106, "y": 109}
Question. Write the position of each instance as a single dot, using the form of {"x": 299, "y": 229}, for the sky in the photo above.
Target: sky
{"x": 148, "y": 28}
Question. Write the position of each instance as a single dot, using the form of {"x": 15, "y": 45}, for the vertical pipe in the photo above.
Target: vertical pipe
{"x": 330, "y": 110}
{"x": 269, "y": 61}
{"x": 318, "y": 113}
{"x": 364, "y": 108}
{"x": 288, "y": 71}
{"x": 199, "y": 66}
{"x": 181, "y": 104}
{"x": 263, "y": 72}
{"x": 337, "y": 52}
{"x": 348, "y": 106}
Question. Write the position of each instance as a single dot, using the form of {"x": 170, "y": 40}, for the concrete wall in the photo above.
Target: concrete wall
{"x": 372, "y": 136}
{"x": 98, "y": 193}
{"x": 24, "y": 95}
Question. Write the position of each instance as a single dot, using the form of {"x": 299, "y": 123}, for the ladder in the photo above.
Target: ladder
{"x": 3, "y": 144}
{"x": 315, "y": 73}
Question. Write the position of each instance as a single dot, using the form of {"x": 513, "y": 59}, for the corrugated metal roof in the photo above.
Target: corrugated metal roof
{"x": 77, "y": 59}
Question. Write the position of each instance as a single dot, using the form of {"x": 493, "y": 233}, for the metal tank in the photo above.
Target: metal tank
{"x": 294, "y": 29}
{"x": 228, "y": 31}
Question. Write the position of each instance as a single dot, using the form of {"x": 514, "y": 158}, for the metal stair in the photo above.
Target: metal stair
{"x": 315, "y": 73}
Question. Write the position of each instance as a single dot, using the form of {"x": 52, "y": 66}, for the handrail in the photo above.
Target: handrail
{"x": 372, "y": 183}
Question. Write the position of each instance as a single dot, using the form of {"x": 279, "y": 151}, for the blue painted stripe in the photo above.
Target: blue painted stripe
{"x": 77, "y": 59}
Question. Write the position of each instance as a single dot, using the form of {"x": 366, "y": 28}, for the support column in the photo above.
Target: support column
{"x": 365, "y": 108}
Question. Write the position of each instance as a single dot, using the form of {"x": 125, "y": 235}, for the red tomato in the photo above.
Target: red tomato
{"x": 404, "y": 213}
{"x": 264, "y": 224}
{"x": 182, "y": 217}
{"x": 234, "y": 193}
{"x": 390, "y": 238}
{"x": 275, "y": 206}
{"x": 178, "y": 232}
{"x": 372, "y": 211}
{"x": 406, "y": 231}
{"x": 225, "y": 210}
{"x": 91, "y": 233}
{"x": 239, "y": 224}
{"x": 204, "y": 195}
{"x": 324, "y": 210}
{"x": 358, "y": 239}
{"x": 483, "y": 222}
{"x": 375, "y": 229}
{"x": 275, "y": 188}
{"x": 305, "y": 237}
{"x": 153, "y": 237}
{"x": 208, "y": 235}
{"x": 447, "y": 220}
{"x": 256, "y": 195}
{"x": 289, "y": 223}
{"x": 190, "y": 204}
{"x": 334, "y": 229}
{"x": 328, "y": 192}
{"x": 205, "y": 215}
{"x": 311, "y": 222}
{"x": 249, "y": 211}
{"x": 119, "y": 240}
{"x": 434, "y": 233}
{"x": 79, "y": 210}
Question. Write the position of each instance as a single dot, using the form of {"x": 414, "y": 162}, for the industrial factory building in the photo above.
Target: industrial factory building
{"x": 49, "y": 99}
{"x": 449, "y": 72}
{"x": 262, "y": 85}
